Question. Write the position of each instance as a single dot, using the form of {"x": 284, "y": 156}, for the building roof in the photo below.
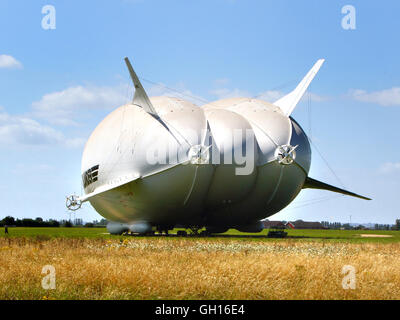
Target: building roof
{"x": 300, "y": 224}
{"x": 273, "y": 224}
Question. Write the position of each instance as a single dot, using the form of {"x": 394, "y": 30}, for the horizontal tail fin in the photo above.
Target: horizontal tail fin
{"x": 315, "y": 184}
{"x": 289, "y": 102}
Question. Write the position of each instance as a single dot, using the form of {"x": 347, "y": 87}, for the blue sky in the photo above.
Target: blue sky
{"x": 56, "y": 85}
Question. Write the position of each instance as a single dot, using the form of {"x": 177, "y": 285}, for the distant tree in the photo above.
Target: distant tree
{"x": 89, "y": 225}
{"x": 103, "y": 222}
{"x": 347, "y": 226}
{"x": 67, "y": 224}
{"x": 29, "y": 223}
{"x": 53, "y": 223}
{"x": 8, "y": 221}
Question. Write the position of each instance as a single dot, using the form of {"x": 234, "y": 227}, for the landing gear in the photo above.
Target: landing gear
{"x": 181, "y": 233}
{"x": 164, "y": 230}
{"x": 205, "y": 233}
{"x": 195, "y": 230}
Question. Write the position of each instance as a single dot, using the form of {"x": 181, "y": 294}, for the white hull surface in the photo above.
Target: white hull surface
{"x": 179, "y": 192}
{"x": 163, "y": 162}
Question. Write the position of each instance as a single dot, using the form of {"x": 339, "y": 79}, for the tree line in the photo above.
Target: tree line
{"x": 26, "y": 222}
{"x": 39, "y": 222}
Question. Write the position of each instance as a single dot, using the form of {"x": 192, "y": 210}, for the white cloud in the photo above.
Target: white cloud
{"x": 270, "y": 95}
{"x": 21, "y": 130}
{"x": 9, "y": 62}
{"x": 390, "y": 167}
{"x": 72, "y": 105}
{"x": 66, "y": 107}
{"x": 179, "y": 91}
{"x": 75, "y": 142}
{"x": 69, "y": 107}
{"x": 387, "y": 97}
{"x": 221, "y": 90}
{"x": 314, "y": 97}
{"x": 221, "y": 82}
{"x": 224, "y": 93}
{"x": 27, "y": 168}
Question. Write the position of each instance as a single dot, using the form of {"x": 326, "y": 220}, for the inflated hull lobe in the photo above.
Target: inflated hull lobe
{"x": 185, "y": 193}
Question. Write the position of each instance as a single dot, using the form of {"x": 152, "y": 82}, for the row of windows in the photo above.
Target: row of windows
{"x": 90, "y": 176}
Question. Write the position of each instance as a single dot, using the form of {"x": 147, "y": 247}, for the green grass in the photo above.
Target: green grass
{"x": 333, "y": 235}
{"x": 345, "y": 235}
{"x": 56, "y": 232}
{"x": 296, "y": 235}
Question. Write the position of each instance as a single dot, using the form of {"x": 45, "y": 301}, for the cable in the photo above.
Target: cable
{"x": 276, "y": 88}
{"x": 208, "y": 102}
{"x": 282, "y": 86}
{"x": 314, "y": 199}
{"x": 309, "y": 116}
{"x": 316, "y": 202}
{"x": 315, "y": 146}
{"x": 327, "y": 164}
{"x": 174, "y": 90}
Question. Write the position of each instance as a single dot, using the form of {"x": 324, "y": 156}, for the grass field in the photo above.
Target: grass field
{"x": 90, "y": 264}
{"x": 353, "y": 236}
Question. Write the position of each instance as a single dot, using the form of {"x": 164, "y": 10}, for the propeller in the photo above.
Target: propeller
{"x": 286, "y": 154}
{"x": 73, "y": 203}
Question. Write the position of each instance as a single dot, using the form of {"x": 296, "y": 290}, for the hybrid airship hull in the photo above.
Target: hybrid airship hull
{"x": 162, "y": 162}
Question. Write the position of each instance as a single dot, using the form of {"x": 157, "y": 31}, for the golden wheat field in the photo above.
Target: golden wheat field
{"x": 157, "y": 268}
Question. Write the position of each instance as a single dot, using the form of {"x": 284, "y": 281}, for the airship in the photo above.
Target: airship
{"x": 161, "y": 162}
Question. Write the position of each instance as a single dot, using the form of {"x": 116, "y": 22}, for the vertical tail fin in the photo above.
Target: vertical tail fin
{"x": 289, "y": 102}
{"x": 140, "y": 98}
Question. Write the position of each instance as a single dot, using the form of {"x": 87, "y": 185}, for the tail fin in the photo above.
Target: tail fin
{"x": 289, "y": 102}
{"x": 140, "y": 99}
{"x": 315, "y": 184}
